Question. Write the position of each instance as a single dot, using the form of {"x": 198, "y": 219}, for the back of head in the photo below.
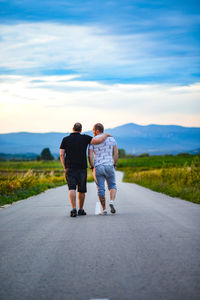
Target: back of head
{"x": 99, "y": 127}
{"x": 77, "y": 127}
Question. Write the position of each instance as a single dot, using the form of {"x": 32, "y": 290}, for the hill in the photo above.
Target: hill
{"x": 135, "y": 139}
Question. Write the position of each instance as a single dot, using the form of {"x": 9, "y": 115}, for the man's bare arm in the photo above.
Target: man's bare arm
{"x": 62, "y": 157}
{"x": 115, "y": 155}
{"x": 99, "y": 140}
{"x": 90, "y": 158}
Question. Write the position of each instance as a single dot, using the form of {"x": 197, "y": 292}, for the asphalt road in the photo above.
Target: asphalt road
{"x": 149, "y": 250}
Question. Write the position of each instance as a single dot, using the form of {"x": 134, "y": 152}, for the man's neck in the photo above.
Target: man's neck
{"x": 99, "y": 133}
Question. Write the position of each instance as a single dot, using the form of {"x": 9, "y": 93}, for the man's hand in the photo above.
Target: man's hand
{"x": 90, "y": 158}
{"x": 99, "y": 140}
{"x": 62, "y": 158}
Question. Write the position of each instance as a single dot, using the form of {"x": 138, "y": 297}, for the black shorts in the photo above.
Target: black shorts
{"x": 77, "y": 177}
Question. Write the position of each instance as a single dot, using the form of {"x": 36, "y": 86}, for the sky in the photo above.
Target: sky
{"x": 112, "y": 62}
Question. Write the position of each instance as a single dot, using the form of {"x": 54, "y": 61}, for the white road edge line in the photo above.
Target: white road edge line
{"x": 99, "y": 299}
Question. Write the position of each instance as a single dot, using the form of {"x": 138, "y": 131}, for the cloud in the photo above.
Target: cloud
{"x": 32, "y": 103}
{"x": 80, "y": 62}
{"x": 40, "y": 45}
{"x": 95, "y": 52}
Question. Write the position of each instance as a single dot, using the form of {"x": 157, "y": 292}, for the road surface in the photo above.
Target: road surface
{"x": 149, "y": 250}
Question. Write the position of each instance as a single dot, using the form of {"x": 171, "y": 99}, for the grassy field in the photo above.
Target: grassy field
{"x": 177, "y": 176}
{"x": 20, "y": 180}
{"x": 156, "y": 162}
{"x": 23, "y": 166}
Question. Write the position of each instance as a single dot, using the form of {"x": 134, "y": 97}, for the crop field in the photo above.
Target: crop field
{"x": 177, "y": 176}
{"x": 22, "y": 179}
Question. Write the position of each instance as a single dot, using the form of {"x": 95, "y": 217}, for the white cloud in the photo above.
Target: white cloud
{"x": 54, "y": 103}
{"x": 88, "y": 49}
{"x": 41, "y": 44}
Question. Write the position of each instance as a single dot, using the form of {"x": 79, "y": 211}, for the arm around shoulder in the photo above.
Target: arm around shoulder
{"x": 99, "y": 140}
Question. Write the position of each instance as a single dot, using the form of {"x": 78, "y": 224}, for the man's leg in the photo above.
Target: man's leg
{"x": 72, "y": 198}
{"x": 81, "y": 199}
{"x": 110, "y": 178}
{"x": 100, "y": 182}
{"x": 113, "y": 193}
{"x": 71, "y": 181}
{"x": 82, "y": 189}
{"x": 102, "y": 200}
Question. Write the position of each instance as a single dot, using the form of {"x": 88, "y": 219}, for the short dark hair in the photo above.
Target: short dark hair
{"x": 99, "y": 127}
{"x": 77, "y": 127}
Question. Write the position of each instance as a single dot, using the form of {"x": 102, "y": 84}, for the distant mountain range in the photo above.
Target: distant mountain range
{"x": 135, "y": 139}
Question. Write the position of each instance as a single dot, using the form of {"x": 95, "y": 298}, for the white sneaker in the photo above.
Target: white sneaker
{"x": 112, "y": 208}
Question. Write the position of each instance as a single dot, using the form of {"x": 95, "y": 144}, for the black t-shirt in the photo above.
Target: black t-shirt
{"x": 75, "y": 146}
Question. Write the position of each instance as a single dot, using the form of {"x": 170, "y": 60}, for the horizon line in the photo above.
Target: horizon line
{"x": 130, "y": 123}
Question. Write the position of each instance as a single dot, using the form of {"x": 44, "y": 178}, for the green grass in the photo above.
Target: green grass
{"x": 178, "y": 178}
{"x": 20, "y": 180}
{"x": 30, "y": 165}
{"x": 156, "y": 162}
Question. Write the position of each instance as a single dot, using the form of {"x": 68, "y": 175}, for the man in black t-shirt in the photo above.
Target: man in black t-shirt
{"x": 73, "y": 157}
